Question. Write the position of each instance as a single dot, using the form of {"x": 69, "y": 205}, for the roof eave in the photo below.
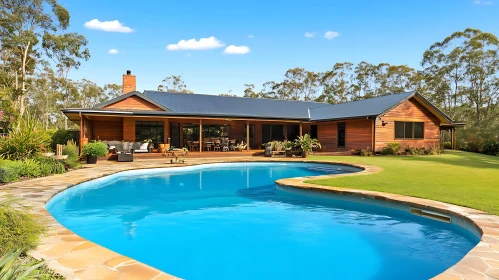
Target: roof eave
{"x": 174, "y": 114}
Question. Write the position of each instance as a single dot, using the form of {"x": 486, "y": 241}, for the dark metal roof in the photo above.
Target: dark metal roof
{"x": 201, "y": 105}
{"x": 361, "y": 108}
{"x": 212, "y": 105}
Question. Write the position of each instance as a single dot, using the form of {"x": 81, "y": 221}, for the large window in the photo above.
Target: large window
{"x": 150, "y": 130}
{"x": 272, "y": 132}
{"x": 409, "y": 130}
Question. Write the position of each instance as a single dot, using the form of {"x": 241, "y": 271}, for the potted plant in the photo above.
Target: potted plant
{"x": 288, "y": 147}
{"x": 307, "y": 144}
{"x": 94, "y": 150}
{"x": 241, "y": 146}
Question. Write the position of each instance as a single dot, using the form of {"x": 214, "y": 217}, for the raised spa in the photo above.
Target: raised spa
{"x": 231, "y": 221}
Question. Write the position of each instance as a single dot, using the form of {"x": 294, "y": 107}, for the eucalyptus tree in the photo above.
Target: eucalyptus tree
{"x": 173, "y": 83}
{"x": 467, "y": 64}
{"x": 337, "y": 83}
{"x": 30, "y": 29}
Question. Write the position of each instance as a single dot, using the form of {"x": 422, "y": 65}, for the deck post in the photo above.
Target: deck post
{"x": 81, "y": 133}
{"x": 453, "y": 131}
{"x": 301, "y": 129}
{"x": 200, "y": 135}
{"x": 247, "y": 135}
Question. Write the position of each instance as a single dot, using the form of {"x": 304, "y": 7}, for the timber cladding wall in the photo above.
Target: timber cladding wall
{"x": 134, "y": 103}
{"x": 358, "y": 134}
{"x": 107, "y": 128}
{"x": 410, "y": 111}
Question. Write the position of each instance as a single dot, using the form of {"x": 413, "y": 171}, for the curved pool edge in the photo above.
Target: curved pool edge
{"x": 78, "y": 258}
{"x": 481, "y": 262}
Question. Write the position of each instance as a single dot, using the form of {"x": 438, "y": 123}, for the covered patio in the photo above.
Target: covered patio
{"x": 184, "y": 132}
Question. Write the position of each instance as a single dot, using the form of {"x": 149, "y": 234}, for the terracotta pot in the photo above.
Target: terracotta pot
{"x": 303, "y": 154}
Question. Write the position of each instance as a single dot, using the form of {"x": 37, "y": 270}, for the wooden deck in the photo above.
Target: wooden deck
{"x": 194, "y": 154}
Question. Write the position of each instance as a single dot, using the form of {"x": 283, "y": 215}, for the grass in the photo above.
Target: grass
{"x": 456, "y": 177}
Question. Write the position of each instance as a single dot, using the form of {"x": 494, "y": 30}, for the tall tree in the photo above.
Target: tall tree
{"x": 463, "y": 70}
{"x": 23, "y": 25}
{"x": 337, "y": 84}
{"x": 173, "y": 84}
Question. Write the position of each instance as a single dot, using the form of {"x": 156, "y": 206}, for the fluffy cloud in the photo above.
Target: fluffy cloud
{"x": 237, "y": 50}
{"x": 113, "y": 51}
{"x": 331, "y": 35}
{"x": 193, "y": 44}
{"x": 480, "y": 2}
{"x": 309, "y": 34}
{"x": 108, "y": 26}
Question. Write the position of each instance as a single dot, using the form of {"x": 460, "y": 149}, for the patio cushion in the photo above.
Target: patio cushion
{"x": 144, "y": 146}
{"x": 136, "y": 145}
{"x": 119, "y": 147}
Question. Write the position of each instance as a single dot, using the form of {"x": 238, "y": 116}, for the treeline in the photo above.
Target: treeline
{"x": 459, "y": 74}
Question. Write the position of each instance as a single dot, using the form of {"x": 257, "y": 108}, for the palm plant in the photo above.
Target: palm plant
{"x": 307, "y": 144}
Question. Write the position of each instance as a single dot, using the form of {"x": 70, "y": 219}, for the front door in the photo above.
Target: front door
{"x": 341, "y": 135}
{"x": 175, "y": 135}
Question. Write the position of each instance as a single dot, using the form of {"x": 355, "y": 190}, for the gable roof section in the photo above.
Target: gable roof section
{"x": 115, "y": 100}
{"x": 361, "y": 108}
{"x": 223, "y": 106}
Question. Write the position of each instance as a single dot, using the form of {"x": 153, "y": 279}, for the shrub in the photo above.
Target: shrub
{"x": 95, "y": 149}
{"x": 366, "y": 153}
{"x": 9, "y": 171}
{"x": 50, "y": 166}
{"x": 30, "y": 168}
{"x": 61, "y": 137}
{"x": 491, "y": 147}
{"x": 414, "y": 151}
{"x": 18, "y": 227}
{"x": 24, "y": 141}
{"x": 391, "y": 149}
{"x": 433, "y": 150}
{"x": 71, "y": 150}
{"x": 12, "y": 267}
{"x": 447, "y": 145}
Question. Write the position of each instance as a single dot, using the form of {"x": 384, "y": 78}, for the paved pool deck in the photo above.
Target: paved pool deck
{"x": 77, "y": 258}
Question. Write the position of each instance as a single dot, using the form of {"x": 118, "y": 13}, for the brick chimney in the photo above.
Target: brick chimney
{"x": 129, "y": 82}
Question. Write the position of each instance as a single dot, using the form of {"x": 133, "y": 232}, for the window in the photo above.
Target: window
{"x": 150, "y": 130}
{"x": 271, "y": 132}
{"x": 409, "y": 130}
{"x": 313, "y": 131}
{"x": 341, "y": 134}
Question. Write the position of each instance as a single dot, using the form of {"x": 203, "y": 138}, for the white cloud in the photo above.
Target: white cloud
{"x": 309, "y": 34}
{"x": 251, "y": 36}
{"x": 237, "y": 50}
{"x": 331, "y": 35}
{"x": 480, "y": 2}
{"x": 192, "y": 44}
{"x": 108, "y": 26}
{"x": 113, "y": 51}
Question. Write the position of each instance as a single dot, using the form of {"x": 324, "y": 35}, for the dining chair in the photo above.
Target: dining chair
{"x": 217, "y": 145}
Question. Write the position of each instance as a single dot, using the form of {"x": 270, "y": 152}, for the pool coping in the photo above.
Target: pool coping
{"x": 77, "y": 258}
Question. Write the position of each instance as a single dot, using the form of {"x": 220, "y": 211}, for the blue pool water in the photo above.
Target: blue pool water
{"x": 230, "y": 221}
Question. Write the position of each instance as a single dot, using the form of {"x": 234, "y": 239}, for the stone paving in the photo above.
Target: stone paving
{"x": 76, "y": 258}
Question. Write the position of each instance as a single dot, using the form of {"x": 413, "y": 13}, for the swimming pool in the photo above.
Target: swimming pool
{"x": 230, "y": 221}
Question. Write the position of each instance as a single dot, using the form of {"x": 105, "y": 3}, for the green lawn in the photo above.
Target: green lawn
{"x": 456, "y": 177}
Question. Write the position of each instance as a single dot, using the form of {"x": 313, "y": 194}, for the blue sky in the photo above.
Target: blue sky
{"x": 396, "y": 32}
